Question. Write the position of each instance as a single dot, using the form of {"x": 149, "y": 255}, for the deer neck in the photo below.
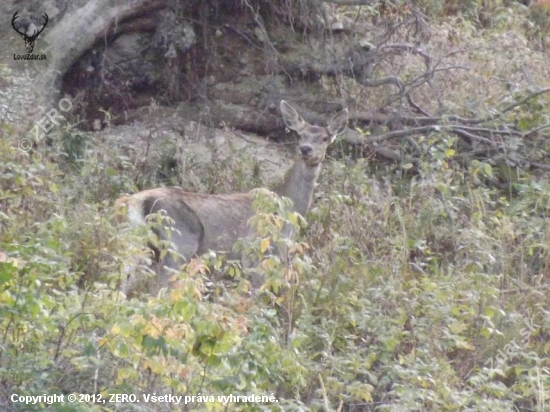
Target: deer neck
{"x": 298, "y": 185}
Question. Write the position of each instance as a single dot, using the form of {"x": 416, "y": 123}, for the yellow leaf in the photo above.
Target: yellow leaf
{"x": 457, "y": 327}
{"x": 460, "y": 344}
{"x": 264, "y": 245}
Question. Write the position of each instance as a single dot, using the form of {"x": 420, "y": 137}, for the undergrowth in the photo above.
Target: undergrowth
{"x": 425, "y": 293}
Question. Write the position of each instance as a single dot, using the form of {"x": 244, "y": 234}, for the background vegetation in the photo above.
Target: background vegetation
{"x": 418, "y": 286}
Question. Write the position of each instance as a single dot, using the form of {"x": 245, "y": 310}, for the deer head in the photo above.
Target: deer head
{"x": 29, "y": 40}
{"x": 314, "y": 140}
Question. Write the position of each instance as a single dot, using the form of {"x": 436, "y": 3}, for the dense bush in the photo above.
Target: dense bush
{"x": 425, "y": 293}
{"x": 412, "y": 288}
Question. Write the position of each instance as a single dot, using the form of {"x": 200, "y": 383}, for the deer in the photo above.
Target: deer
{"x": 214, "y": 222}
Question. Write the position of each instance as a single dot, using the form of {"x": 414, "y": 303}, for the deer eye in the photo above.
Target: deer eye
{"x": 325, "y": 139}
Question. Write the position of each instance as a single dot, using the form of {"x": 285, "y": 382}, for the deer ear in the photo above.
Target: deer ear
{"x": 338, "y": 123}
{"x": 291, "y": 117}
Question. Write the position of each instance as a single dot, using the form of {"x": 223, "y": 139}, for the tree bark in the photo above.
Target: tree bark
{"x": 78, "y": 32}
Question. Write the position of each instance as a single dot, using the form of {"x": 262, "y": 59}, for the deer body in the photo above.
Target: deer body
{"x": 201, "y": 222}
{"x": 215, "y": 222}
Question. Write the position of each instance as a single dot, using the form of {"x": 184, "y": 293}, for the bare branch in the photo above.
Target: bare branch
{"x": 525, "y": 100}
{"x": 469, "y": 137}
{"x": 411, "y": 48}
{"x": 512, "y": 106}
{"x": 416, "y": 106}
{"x": 541, "y": 166}
{"x": 401, "y": 133}
{"x": 538, "y": 129}
{"x": 385, "y": 80}
{"x": 491, "y": 131}
{"x": 353, "y": 137}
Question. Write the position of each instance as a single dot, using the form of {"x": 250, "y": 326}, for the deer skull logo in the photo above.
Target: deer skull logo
{"x": 29, "y": 39}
